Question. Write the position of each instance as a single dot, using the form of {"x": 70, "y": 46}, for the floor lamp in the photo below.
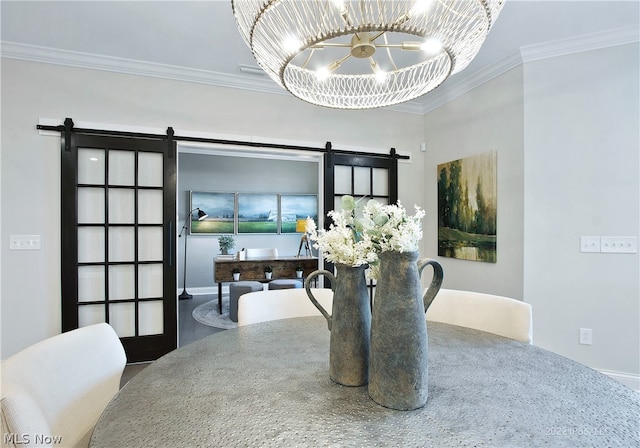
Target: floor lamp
{"x": 201, "y": 216}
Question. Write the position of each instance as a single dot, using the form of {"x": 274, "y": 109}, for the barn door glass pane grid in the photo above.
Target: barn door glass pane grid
{"x": 120, "y": 240}
{"x": 92, "y": 209}
{"x": 360, "y": 182}
{"x": 91, "y": 166}
{"x": 381, "y": 184}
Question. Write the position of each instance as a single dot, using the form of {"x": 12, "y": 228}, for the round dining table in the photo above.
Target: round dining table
{"x": 268, "y": 385}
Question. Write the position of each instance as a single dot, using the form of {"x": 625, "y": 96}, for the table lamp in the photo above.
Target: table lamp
{"x": 301, "y": 226}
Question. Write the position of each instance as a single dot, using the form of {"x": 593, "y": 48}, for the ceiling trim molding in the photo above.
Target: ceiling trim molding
{"x": 47, "y": 55}
{"x": 578, "y": 44}
{"x": 460, "y": 84}
{"x": 454, "y": 87}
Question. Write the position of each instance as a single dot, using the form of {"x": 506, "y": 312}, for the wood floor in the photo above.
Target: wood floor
{"x": 190, "y": 330}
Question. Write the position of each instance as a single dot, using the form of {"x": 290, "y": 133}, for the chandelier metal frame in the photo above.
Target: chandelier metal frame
{"x": 363, "y": 54}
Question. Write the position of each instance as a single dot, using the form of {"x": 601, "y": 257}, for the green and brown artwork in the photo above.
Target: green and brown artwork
{"x": 467, "y": 201}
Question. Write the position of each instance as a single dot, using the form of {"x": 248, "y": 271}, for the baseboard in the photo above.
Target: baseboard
{"x": 628, "y": 379}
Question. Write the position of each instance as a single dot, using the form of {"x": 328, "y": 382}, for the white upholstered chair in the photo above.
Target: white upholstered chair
{"x": 494, "y": 314}
{"x": 261, "y": 253}
{"x": 55, "y": 390}
{"x": 277, "y": 304}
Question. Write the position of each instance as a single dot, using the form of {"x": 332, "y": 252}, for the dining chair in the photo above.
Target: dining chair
{"x": 494, "y": 314}
{"x": 277, "y": 304}
{"x": 54, "y": 391}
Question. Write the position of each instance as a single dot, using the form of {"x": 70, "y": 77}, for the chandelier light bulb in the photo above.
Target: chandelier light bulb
{"x": 380, "y": 74}
{"x": 420, "y": 7}
{"x": 431, "y": 46}
{"x": 288, "y": 37}
{"x": 291, "y": 43}
{"x": 323, "y": 73}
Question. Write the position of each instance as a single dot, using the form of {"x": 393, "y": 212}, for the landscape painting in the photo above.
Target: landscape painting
{"x": 257, "y": 213}
{"x": 294, "y": 207}
{"x": 467, "y": 208}
{"x": 220, "y": 208}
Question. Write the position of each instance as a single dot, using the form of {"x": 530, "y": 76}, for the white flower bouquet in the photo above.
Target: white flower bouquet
{"x": 357, "y": 241}
{"x": 343, "y": 243}
{"x": 389, "y": 228}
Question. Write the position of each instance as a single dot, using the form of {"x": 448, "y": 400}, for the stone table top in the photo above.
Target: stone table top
{"x": 268, "y": 385}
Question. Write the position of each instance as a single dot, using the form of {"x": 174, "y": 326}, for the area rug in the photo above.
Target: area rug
{"x": 207, "y": 314}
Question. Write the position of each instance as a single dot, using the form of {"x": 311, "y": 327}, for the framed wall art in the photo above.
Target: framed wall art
{"x": 257, "y": 213}
{"x": 467, "y": 208}
{"x": 295, "y": 207}
{"x": 221, "y": 211}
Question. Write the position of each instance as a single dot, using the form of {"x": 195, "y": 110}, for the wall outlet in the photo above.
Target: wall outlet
{"x": 586, "y": 336}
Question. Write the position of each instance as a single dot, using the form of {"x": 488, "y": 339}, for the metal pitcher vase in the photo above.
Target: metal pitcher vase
{"x": 398, "y": 369}
{"x": 349, "y": 323}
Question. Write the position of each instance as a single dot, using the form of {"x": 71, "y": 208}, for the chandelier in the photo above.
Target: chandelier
{"x": 363, "y": 54}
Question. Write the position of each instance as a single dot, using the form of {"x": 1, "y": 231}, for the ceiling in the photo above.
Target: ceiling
{"x": 198, "y": 40}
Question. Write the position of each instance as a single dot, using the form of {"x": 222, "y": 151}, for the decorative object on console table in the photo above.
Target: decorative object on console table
{"x": 226, "y": 242}
{"x": 187, "y": 221}
{"x": 301, "y": 226}
{"x": 236, "y": 274}
{"x": 268, "y": 272}
{"x": 299, "y": 271}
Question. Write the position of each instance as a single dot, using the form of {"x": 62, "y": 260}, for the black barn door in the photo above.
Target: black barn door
{"x": 118, "y": 231}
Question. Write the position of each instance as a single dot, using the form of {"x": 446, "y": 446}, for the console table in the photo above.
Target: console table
{"x": 253, "y": 269}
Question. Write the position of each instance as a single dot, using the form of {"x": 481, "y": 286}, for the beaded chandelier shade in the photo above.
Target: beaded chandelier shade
{"x": 363, "y": 54}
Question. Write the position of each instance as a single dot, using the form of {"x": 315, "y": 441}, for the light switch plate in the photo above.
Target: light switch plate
{"x": 589, "y": 244}
{"x": 24, "y": 242}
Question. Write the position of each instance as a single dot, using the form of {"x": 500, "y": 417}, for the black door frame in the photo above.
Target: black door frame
{"x": 332, "y": 159}
{"x": 137, "y": 348}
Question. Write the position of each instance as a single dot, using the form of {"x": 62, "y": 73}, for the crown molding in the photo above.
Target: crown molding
{"x": 461, "y": 84}
{"x": 47, "y": 55}
{"x": 578, "y": 44}
{"x": 454, "y": 87}
{"x": 253, "y": 82}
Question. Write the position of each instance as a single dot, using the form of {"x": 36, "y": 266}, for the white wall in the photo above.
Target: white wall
{"x": 582, "y": 169}
{"x": 30, "y": 290}
{"x": 487, "y": 119}
{"x": 567, "y": 134}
